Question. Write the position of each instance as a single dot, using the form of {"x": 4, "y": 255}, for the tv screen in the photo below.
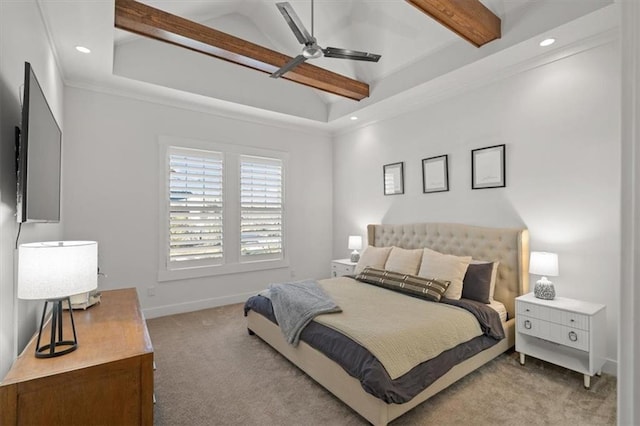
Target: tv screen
{"x": 39, "y": 154}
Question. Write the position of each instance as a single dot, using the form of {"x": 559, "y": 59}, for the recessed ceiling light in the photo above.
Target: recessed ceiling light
{"x": 353, "y": 118}
{"x": 83, "y": 49}
{"x": 547, "y": 42}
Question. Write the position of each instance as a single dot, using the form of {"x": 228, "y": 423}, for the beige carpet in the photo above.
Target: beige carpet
{"x": 211, "y": 372}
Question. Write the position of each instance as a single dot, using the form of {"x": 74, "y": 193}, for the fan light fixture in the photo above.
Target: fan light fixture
{"x": 83, "y": 49}
{"x": 312, "y": 52}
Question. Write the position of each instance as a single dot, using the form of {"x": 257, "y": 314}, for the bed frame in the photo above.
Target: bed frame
{"x": 509, "y": 246}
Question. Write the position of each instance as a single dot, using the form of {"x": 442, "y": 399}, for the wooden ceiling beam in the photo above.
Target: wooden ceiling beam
{"x": 145, "y": 20}
{"x": 470, "y": 19}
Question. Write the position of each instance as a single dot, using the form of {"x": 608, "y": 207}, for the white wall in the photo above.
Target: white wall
{"x": 111, "y": 195}
{"x": 22, "y": 38}
{"x": 560, "y": 124}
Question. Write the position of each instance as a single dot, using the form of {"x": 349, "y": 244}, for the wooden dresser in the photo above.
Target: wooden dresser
{"x": 108, "y": 380}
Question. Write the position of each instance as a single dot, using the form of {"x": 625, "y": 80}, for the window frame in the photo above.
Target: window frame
{"x": 232, "y": 261}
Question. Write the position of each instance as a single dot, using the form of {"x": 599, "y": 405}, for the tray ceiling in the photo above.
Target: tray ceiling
{"x": 417, "y": 52}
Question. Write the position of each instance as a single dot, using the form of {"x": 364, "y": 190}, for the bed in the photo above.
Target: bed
{"x": 508, "y": 246}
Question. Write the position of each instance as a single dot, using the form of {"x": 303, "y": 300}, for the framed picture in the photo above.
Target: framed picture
{"x": 488, "y": 167}
{"x": 435, "y": 174}
{"x": 393, "y": 178}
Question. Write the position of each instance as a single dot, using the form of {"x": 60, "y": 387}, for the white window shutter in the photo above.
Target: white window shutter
{"x": 195, "y": 207}
{"x": 261, "y": 208}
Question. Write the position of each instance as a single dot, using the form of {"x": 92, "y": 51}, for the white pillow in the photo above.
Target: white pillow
{"x": 404, "y": 261}
{"x": 445, "y": 267}
{"x": 494, "y": 274}
{"x": 372, "y": 256}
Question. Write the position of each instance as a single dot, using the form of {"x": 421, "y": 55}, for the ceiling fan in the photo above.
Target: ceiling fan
{"x": 311, "y": 49}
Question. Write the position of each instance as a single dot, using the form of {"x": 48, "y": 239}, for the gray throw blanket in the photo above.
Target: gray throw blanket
{"x": 296, "y": 304}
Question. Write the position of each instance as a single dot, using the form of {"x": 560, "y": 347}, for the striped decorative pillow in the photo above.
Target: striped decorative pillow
{"x": 425, "y": 288}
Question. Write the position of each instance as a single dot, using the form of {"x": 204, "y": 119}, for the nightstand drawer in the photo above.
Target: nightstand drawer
{"x": 558, "y": 316}
{"x": 339, "y": 269}
{"x": 564, "y": 335}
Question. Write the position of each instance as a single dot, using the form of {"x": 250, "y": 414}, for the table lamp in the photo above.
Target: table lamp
{"x": 544, "y": 264}
{"x": 53, "y": 271}
{"x": 355, "y": 244}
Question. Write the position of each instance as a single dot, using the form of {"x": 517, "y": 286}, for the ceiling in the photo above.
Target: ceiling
{"x": 421, "y": 59}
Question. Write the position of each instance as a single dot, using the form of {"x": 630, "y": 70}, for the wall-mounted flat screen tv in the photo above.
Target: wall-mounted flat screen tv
{"x": 39, "y": 148}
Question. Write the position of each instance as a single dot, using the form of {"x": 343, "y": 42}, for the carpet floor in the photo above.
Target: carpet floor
{"x": 211, "y": 372}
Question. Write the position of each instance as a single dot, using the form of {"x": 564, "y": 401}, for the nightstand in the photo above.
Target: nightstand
{"x": 342, "y": 267}
{"x": 566, "y": 332}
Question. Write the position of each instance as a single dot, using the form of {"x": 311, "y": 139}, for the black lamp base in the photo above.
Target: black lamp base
{"x": 56, "y": 346}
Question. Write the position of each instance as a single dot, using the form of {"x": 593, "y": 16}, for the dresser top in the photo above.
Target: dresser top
{"x": 564, "y": 303}
{"x": 109, "y": 331}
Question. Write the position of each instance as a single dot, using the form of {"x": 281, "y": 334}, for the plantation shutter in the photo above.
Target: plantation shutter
{"x": 195, "y": 207}
{"x": 261, "y": 207}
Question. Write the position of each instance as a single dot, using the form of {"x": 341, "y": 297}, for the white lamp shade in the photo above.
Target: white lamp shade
{"x": 543, "y": 263}
{"x": 57, "y": 269}
{"x": 355, "y": 242}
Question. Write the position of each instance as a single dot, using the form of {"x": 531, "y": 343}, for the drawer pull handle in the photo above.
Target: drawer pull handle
{"x": 572, "y": 320}
{"x": 573, "y": 336}
{"x": 527, "y": 310}
{"x": 527, "y": 324}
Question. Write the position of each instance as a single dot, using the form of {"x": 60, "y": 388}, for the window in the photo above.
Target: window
{"x": 222, "y": 209}
{"x": 261, "y": 208}
{"x": 195, "y": 207}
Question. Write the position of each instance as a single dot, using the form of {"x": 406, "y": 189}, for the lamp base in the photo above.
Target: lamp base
{"x": 355, "y": 256}
{"x": 544, "y": 290}
{"x": 54, "y": 348}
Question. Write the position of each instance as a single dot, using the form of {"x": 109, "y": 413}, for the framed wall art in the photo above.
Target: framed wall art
{"x": 393, "y": 178}
{"x": 435, "y": 174}
{"x": 488, "y": 167}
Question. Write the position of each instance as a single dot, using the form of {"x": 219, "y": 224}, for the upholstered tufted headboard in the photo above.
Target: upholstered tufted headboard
{"x": 509, "y": 246}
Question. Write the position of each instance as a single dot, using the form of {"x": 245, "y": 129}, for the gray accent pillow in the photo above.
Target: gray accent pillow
{"x": 477, "y": 282}
{"x": 425, "y": 288}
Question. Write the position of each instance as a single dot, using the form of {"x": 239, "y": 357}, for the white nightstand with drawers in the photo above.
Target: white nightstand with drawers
{"x": 566, "y": 332}
{"x": 340, "y": 267}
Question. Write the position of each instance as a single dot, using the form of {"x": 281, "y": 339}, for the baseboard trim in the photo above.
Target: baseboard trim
{"x": 196, "y": 305}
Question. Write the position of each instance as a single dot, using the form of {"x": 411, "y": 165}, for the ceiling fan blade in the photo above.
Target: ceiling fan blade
{"x": 334, "y": 52}
{"x": 295, "y": 23}
{"x": 289, "y": 66}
